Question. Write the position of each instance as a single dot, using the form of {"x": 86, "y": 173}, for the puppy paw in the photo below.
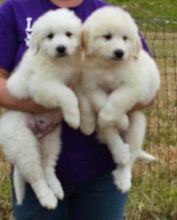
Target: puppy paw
{"x": 106, "y": 119}
{"x": 87, "y": 125}
{"x": 72, "y": 117}
{"x": 123, "y": 123}
{"x": 56, "y": 187}
{"x": 58, "y": 191}
{"x": 48, "y": 200}
{"x": 122, "y": 179}
{"x": 123, "y": 155}
{"x": 87, "y": 130}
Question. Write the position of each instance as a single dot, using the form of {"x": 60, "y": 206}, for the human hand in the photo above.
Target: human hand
{"x": 140, "y": 106}
{"x": 31, "y": 107}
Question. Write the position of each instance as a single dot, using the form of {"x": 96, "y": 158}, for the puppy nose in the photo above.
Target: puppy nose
{"x": 61, "y": 49}
{"x": 119, "y": 53}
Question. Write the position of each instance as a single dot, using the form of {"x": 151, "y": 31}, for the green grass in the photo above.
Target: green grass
{"x": 150, "y": 9}
{"x": 5, "y": 190}
{"x": 154, "y": 192}
{"x": 156, "y": 198}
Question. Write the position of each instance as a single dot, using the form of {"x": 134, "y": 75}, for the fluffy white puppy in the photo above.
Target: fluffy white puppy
{"x": 117, "y": 75}
{"x": 47, "y": 69}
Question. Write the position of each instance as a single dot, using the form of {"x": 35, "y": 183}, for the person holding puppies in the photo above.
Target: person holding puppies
{"x": 85, "y": 165}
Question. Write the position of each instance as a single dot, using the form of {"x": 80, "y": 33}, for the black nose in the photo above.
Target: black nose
{"x": 61, "y": 49}
{"x": 118, "y": 53}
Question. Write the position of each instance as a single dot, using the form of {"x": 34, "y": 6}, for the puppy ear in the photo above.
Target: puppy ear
{"x": 85, "y": 42}
{"x": 137, "y": 46}
{"x": 35, "y": 41}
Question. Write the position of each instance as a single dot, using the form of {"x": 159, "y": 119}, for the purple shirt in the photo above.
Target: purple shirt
{"x": 82, "y": 157}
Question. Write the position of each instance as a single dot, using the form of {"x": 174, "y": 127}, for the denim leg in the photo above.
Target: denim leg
{"x": 98, "y": 200}
{"x": 95, "y": 200}
{"x": 32, "y": 210}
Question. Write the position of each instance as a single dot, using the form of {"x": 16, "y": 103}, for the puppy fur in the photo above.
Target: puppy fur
{"x": 47, "y": 68}
{"x": 117, "y": 74}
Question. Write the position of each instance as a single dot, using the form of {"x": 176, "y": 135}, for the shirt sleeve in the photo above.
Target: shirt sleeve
{"x": 144, "y": 44}
{"x": 8, "y": 37}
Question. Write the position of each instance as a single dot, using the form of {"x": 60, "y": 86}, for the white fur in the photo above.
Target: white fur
{"x": 43, "y": 75}
{"x": 117, "y": 75}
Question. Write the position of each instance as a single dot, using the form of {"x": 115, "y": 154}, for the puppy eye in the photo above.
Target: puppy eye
{"x": 69, "y": 34}
{"x": 50, "y": 36}
{"x": 125, "y": 37}
{"x": 107, "y": 36}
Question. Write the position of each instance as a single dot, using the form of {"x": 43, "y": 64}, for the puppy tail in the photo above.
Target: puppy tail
{"x": 146, "y": 157}
{"x": 19, "y": 186}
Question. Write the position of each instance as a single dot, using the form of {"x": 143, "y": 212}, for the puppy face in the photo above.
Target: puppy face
{"x": 110, "y": 33}
{"x": 56, "y": 34}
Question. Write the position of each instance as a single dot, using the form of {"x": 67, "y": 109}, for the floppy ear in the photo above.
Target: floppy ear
{"x": 35, "y": 41}
{"x": 137, "y": 46}
{"x": 86, "y": 42}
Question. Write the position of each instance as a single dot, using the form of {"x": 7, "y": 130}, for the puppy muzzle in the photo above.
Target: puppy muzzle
{"x": 118, "y": 54}
{"x": 61, "y": 51}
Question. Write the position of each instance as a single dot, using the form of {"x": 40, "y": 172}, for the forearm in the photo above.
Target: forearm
{"x": 141, "y": 107}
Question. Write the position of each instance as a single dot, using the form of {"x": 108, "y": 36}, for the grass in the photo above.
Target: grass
{"x": 149, "y": 9}
{"x": 5, "y": 190}
{"x": 154, "y": 192}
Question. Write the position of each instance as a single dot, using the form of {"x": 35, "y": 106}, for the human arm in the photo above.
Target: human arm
{"x": 140, "y": 106}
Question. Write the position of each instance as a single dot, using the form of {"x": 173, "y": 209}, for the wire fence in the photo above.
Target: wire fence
{"x": 161, "y": 36}
{"x": 162, "y": 40}
{"x": 155, "y": 186}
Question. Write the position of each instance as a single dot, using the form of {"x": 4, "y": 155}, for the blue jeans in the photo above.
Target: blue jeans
{"x": 98, "y": 199}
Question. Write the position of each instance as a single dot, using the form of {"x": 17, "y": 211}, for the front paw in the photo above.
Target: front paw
{"x": 56, "y": 187}
{"x": 88, "y": 128}
{"x": 72, "y": 117}
{"x": 123, "y": 123}
{"x": 48, "y": 200}
{"x": 106, "y": 119}
{"x": 122, "y": 156}
{"x": 122, "y": 179}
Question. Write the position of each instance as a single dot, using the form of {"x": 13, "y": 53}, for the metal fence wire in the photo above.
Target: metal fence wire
{"x": 161, "y": 135}
{"x": 161, "y": 37}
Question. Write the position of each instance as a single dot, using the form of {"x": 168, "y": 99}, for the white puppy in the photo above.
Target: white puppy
{"x": 47, "y": 69}
{"x": 117, "y": 75}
